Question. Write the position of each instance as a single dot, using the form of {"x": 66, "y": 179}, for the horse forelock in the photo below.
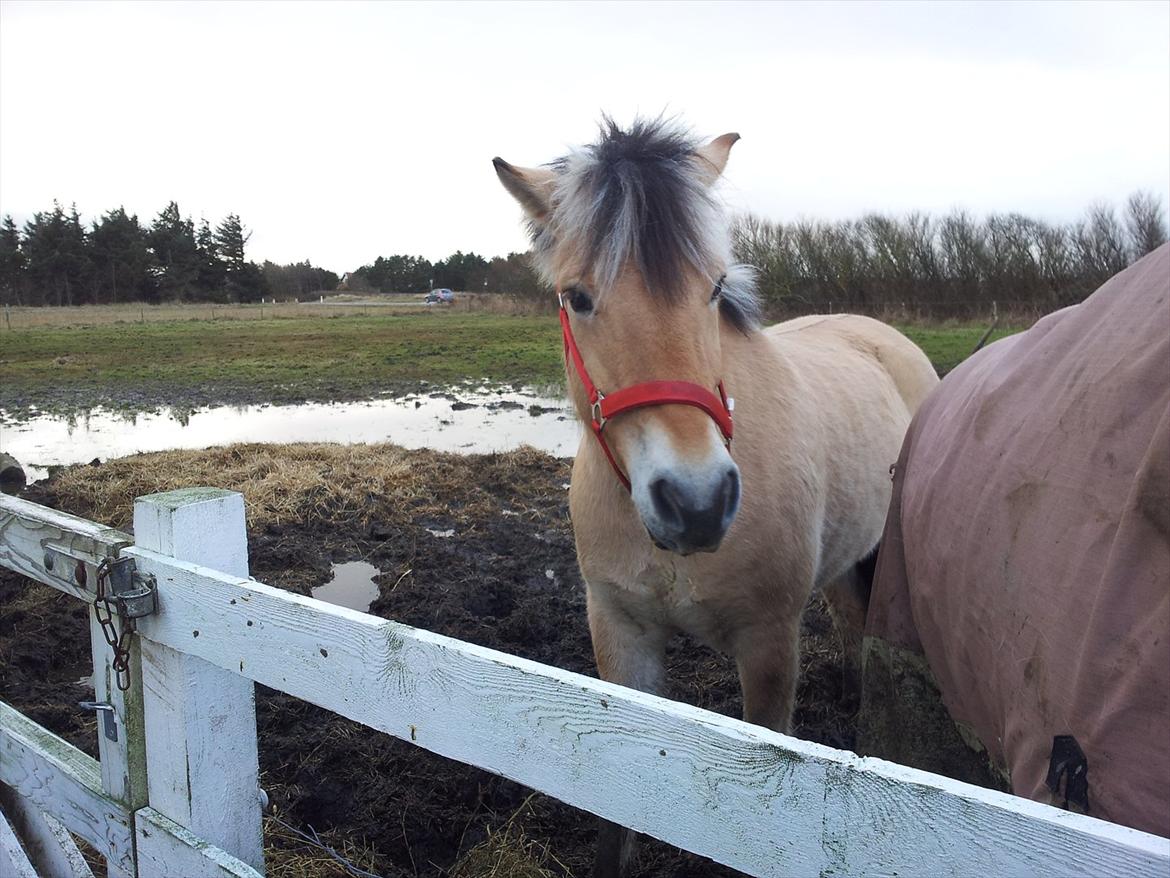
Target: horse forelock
{"x": 638, "y": 195}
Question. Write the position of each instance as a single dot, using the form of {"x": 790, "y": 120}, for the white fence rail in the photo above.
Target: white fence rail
{"x": 762, "y": 802}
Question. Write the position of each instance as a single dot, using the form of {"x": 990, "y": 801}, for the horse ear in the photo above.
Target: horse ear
{"x": 713, "y": 156}
{"x": 532, "y": 187}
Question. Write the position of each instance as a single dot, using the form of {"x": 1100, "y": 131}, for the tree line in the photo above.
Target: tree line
{"x": 937, "y": 267}
{"x": 460, "y": 271}
{"x": 57, "y": 260}
{"x": 943, "y": 267}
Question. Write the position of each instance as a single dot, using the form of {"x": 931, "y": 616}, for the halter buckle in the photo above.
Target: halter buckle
{"x": 595, "y": 411}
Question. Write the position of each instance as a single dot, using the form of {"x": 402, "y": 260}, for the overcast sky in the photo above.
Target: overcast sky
{"x": 340, "y": 132}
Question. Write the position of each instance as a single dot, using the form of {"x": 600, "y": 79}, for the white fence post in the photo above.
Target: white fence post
{"x": 122, "y": 758}
{"x": 202, "y": 769}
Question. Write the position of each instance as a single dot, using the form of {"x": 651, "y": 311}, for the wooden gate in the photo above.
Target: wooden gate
{"x": 176, "y": 788}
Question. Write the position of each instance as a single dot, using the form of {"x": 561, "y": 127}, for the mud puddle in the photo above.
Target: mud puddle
{"x": 354, "y": 586}
{"x": 470, "y": 419}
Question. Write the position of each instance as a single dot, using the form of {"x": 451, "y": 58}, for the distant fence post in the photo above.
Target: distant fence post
{"x": 202, "y": 764}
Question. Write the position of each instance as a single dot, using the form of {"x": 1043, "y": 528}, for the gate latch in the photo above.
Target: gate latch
{"x": 127, "y": 593}
{"x": 124, "y": 593}
{"x": 109, "y": 720}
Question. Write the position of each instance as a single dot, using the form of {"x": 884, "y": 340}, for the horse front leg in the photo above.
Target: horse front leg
{"x": 631, "y": 652}
{"x": 767, "y": 656}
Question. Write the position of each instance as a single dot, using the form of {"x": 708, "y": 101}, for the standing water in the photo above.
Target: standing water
{"x": 468, "y": 420}
{"x": 353, "y": 585}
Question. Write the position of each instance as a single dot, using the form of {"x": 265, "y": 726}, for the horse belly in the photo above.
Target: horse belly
{"x": 859, "y": 412}
{"x": 857, "y": 495}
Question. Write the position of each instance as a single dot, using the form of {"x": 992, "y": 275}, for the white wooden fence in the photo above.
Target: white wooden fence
{"x": 176, "y": 790}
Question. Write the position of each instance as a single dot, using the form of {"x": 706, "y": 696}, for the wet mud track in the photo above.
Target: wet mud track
{"x": 505, "y": 578}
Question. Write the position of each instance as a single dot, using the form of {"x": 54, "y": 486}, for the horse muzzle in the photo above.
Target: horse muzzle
{"x": 686, "y": 515}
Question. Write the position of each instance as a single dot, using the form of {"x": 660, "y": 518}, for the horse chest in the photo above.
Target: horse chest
{"x": 677, "y": 596}
{"x": 665, "y": 583}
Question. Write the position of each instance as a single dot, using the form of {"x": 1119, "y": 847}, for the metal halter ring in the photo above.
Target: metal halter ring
{"x": 595, "y": 411}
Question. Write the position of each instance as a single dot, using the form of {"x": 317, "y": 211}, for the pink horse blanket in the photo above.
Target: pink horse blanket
{"x": 1027, "y": 551}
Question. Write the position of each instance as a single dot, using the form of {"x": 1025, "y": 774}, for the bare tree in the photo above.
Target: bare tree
{"x": 1100, "y": 245}
{"x": 955, "y": 266}
{"x": 1145, "y": 222}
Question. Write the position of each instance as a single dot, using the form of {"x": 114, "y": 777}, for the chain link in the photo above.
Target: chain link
{"x": 119, "y": 642}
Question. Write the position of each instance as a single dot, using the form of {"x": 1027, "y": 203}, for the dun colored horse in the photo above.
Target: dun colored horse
{"x": 690, "y": 511}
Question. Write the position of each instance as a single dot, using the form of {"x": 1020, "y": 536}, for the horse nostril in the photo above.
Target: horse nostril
{"x": 694, "y": 520}
{"x": 730, "y": 492}
{"x": 666, "y": 502}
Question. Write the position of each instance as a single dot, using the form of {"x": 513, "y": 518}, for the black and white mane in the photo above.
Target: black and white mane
{"x": 641, "y": 193}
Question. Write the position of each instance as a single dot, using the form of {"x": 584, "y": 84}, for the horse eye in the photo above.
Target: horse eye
{"x": 580, "y": 302}
{"x": 718, "y": 291}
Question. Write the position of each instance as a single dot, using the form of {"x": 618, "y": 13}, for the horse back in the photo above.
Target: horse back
{"x": 849, "y": 342}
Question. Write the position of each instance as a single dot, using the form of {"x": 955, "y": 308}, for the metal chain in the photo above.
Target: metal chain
{"x": 119, "y": 642}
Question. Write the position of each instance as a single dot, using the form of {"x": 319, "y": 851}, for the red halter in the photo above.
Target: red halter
{"x": 603, "y": 407}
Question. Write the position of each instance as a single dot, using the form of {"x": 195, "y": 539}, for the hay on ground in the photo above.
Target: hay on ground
{"x": 302, "y": 483}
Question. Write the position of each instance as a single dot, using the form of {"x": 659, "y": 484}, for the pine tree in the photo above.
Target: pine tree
{"x": 11, "y": 264}
{"x": 212, "y": 279}
{"x": 172, "y": 241}
{"x": 120, "y": 258}
{"x": 55, "y": 248}
{"x": 230, "y": 239}
{"x": 245, "y": 282}
{"x": 76, "y": 256}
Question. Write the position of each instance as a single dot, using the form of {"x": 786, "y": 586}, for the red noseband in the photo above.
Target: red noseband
{"x": 603, "y": 407}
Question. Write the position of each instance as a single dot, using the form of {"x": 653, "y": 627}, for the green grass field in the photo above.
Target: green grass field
{"x": 948, "y": 346}
{"x": 283, "y": 360}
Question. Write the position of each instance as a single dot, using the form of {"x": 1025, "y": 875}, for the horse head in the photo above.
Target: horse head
{"x": 629, "y": 234}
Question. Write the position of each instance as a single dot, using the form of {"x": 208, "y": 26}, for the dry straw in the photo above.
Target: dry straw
{"x": 508, "y": 852}
{"x": 305, "y": 483}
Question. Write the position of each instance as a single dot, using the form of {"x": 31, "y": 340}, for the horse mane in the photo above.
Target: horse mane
{"x": 639, "y": 193}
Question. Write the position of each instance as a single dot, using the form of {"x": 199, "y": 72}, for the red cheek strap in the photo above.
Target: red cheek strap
{"x": 603, "y": 407}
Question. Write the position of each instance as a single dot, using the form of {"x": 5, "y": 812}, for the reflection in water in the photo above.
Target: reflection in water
{"x": 352, "y": 586}
{"x": 469, "y": 420}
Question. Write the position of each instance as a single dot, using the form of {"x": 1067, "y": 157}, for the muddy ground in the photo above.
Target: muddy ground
{"x": 398, "y": 810}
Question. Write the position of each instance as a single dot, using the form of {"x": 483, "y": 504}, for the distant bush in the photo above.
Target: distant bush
{"x": 466, "y": 272}
{"x": 949, "y": 267}
{"x": 298, "y": 280}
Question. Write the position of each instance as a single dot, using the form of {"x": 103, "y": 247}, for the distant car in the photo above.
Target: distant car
{"x": 440, "y": 297}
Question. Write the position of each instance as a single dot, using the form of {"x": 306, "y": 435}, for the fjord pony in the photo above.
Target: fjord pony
{"x": 724, "y": 540}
